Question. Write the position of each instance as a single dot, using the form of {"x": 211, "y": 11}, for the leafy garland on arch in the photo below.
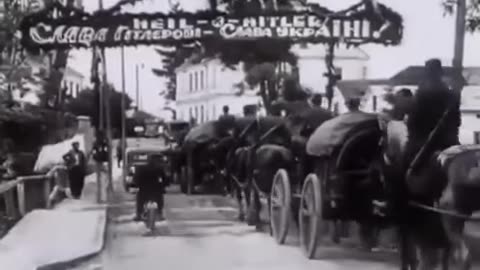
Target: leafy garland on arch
{"x": 378, "y": 15}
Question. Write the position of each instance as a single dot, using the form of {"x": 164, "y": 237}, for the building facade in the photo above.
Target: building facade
{"x": 373, "y": 100}
{"x": 203, "y": 88}
{"x": 72, "y": 81}
{"x": 350, "y": 63}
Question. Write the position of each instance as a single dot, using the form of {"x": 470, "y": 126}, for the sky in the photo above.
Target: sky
{"x": 427, "y": 34}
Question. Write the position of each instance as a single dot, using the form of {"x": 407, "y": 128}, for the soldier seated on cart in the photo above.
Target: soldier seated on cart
{"x": 151, "y": 181}
{"x": 353, "y": 104}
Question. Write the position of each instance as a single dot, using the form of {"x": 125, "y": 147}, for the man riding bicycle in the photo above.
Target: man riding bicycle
{"x": 150, "y": 179}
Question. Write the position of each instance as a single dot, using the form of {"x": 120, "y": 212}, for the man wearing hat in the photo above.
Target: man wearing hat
{"x": 432, "y": 99}
{"x": 76, "y": 163}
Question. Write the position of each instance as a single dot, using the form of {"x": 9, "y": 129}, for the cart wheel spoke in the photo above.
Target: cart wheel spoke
{"x": 280, "y": 198}
{"x": 310, "y": 215}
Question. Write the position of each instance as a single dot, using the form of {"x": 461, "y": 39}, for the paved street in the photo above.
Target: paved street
{"x": 202, "y": 231}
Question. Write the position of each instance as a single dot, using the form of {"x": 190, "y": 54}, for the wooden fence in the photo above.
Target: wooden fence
{"x": 26, "y": 193}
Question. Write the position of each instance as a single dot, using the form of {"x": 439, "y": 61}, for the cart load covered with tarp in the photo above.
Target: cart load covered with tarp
{"x": 333, "y": 133}
{"x": 201, "y": 134}
{"x": 178, "y": 130}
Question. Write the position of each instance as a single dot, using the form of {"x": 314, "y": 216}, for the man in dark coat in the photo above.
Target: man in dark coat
{"x": 432, "y": 99}
{"x": 226, "y": 122}
{"x": 151, "y": 183}
{"x": 353, "y": 104}
{"x": 76, "y": 164}
{"x": 401, "y": 105}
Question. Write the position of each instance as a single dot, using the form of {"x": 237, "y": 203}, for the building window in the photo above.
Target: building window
{"x": 70, "y": 91}
{"x": 214, "y": 77}
{"x": 190, "y": 112}
{"x": 202, "y": 85}
{"x": 196, "y": 114}
{"x": 202, "y": 114}
{"x": 77, "y": 90}
{"x": 214, "y": 113}
{"x": 196, "y": 81}
{"x": 190, "y": 77}
{"x": 364, "y": 72}
{"x": 476, "y": 137}
{"x": 338, "y": 71}
{"x": 374, "y": 103}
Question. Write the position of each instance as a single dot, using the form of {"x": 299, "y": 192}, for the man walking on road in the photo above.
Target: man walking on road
{"x": 151, "y": 183}
{"x": 76, "y": 162}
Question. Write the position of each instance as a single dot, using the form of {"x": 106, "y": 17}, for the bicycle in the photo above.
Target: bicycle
{"x": 150, "y": 211}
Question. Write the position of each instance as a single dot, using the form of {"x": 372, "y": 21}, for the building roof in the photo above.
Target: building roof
{"x": 192, "y": 61}
{"x": 302, "y": 51}
{"x": 141, "y": 116}
{"x": 413, "y": 75}
{"x": 320, "y": 50}
{"x": 71, "y": 71}
{"x": 357, "y": 88}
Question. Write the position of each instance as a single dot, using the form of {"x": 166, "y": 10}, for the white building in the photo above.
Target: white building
{"x": 73, "y": 81}
{"x": 351, "y": 64}
{"x": 204, "y": 88}
{"x": 375, "y": 90}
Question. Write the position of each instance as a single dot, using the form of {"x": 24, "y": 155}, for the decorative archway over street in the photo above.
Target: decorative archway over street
{"x": 57, "y": 27}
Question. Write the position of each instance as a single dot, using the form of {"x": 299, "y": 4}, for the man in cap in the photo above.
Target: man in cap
{"x": 76, "y": 163}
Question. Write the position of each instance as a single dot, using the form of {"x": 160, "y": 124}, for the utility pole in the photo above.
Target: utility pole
{"x": 137, "y": 89}
{"x": 124, "y": 122}
{"x": 460, "y": 25}
{"x": 106, "y": 103}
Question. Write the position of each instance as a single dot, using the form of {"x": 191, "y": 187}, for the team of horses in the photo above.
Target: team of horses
{"x": 430, "y": 208}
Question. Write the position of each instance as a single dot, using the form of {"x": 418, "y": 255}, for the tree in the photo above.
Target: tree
{"x": 86, "y": 104}
{"x": 473, "y": 12}
{"x": 232, "y": 52}
{"x": 264, "y": 76}
{"x": 14, "y": 56}
{"x": 172, "y": 58}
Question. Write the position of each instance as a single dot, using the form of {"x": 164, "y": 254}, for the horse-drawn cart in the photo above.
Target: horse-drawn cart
{"x": 203, "y": 163}
{"x": 342, "y": 180}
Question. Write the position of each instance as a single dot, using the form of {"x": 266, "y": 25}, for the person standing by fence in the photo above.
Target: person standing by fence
{"x": 76, "y": 164}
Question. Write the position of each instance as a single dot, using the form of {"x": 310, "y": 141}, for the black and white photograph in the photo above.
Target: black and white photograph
{"x": 239, "y": 134}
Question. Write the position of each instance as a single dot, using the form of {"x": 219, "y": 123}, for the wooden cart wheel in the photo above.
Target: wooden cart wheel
{"x": 310, "y": 215}
{"x": 280, "y": 203}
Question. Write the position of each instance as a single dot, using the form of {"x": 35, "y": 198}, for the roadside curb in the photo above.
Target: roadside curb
{"x": 73, "y": 262}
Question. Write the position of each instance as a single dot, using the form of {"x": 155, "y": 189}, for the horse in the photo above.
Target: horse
{"x": 249, "y": 160}
{"x": 286, "y": 153}
{"x": 435, "y": 202}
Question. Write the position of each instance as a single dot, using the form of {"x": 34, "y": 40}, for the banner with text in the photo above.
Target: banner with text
{"x": 145, "y": 29}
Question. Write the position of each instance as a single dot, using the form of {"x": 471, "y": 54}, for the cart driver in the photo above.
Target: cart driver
{"x": 151, "y": 183}
{"x": 353, "y": 104}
